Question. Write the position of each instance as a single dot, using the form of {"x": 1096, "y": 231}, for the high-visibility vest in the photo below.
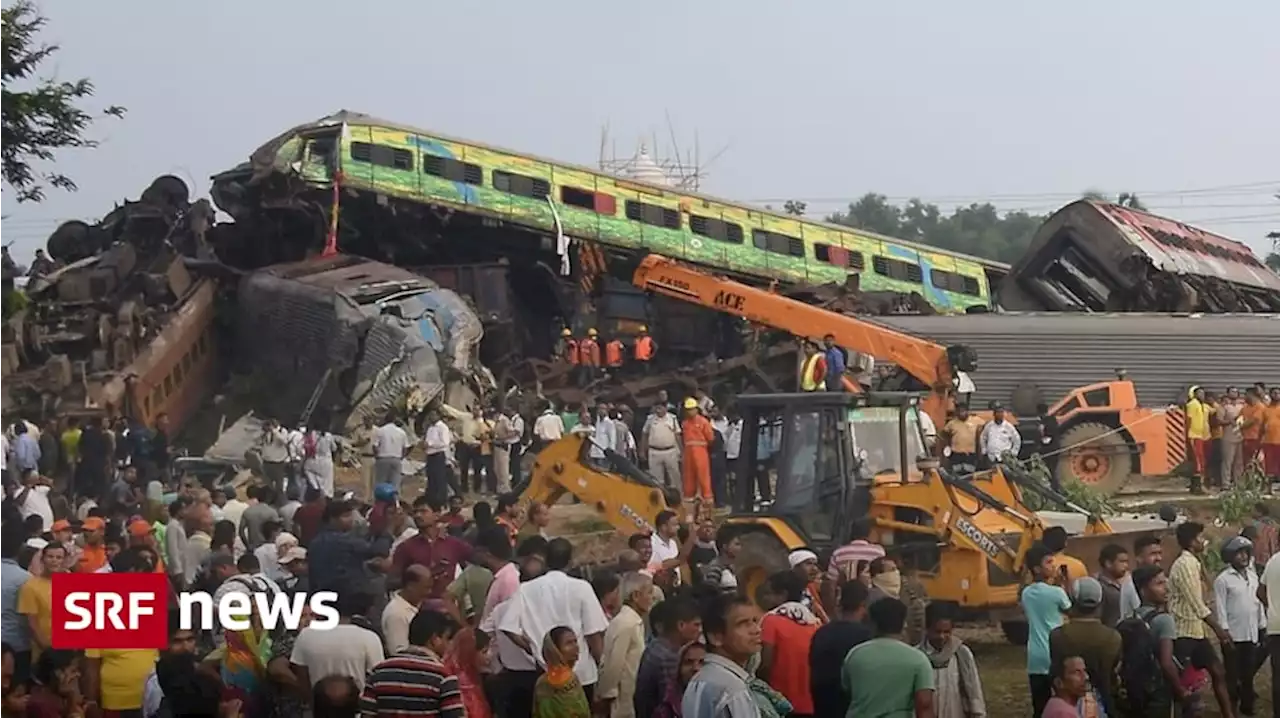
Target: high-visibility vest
{"x": 571, "y": 350}
{"x": 613, "y": 353}
{"x": 644, "y": 348}
{"x": 589, "y": 351}
{"x": 811, "y": 377}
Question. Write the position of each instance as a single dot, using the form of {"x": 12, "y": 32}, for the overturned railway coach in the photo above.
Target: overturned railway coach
{"x": 1099, "y": 257}
{"x": 591, "y": 219}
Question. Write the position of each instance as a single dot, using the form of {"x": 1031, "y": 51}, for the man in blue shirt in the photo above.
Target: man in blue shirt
{"x": 14, "y": 627}
{"x": 1044, "y": 605}
{"x": 834, "y": 357}
{"x": 26, "y": 450}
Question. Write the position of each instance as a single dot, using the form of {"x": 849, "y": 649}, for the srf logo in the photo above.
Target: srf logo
{"x": 110, "y": 610}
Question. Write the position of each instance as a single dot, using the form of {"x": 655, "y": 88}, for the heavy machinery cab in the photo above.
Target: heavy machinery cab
{"x": 827, "y": 450}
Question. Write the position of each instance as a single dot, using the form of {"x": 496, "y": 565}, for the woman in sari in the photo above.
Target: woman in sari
{"x": 558, "y": 693}
{"x": 466, "y": 659}
{"x": 242, "y": 663}
{"x": 690, "y": 661}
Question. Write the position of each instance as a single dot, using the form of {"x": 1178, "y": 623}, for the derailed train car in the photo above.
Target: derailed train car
{"x": 357, "y": 338}
{"x": 1095, "y": 256}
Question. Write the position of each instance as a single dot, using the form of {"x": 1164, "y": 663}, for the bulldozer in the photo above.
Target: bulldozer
{"x": 833, "y": 458}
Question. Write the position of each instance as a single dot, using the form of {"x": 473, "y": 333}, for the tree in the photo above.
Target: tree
{"x": 44, "y": 117}
{"x": 795, "y": 207}
{"x": 978, "y": 229}
{"x": 1124, "y": 199}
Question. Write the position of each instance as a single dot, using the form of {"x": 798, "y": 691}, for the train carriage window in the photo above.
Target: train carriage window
{"x": 897, "y": 269}
{"x": 382, "y": 155}
{"x": 168, "y": 385}
{"x": 717, "y": 229}
{"x": 597, "y": 202}
{"x": 838, "y": 256}
{"x": 653, "y": 214}
{"x": 777, "y": 243}
{"x": 521, "y": 185}
{"x": 452, "y": 170}
{"x": 953, "y": 282}
{"x": 178, "y": 374}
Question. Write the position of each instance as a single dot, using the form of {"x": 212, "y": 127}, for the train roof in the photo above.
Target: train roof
{"x": 349, "y": 117}
{"x": 1172, "y": 246}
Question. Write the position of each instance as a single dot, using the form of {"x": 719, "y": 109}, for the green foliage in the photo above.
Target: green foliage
{"x": 45, "y": 116}
{"x": 1080, "y": 494}
{"x": 1235, "y": 505}
{"x": 978, "y": 229}
{"x": 795, "y": 207}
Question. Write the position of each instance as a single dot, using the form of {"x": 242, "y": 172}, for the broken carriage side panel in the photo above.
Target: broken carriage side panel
{"x": 175, "y": 372}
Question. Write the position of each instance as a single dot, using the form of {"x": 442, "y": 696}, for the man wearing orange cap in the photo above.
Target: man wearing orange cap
{"x": 140, "y": 534}
{"x": 64, "y": 535}
{"x": 94, "y": 554}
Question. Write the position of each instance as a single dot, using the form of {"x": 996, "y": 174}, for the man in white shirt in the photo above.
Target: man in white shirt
{"x": 1235, "y": 593}
{"x": 548, "y": 427}
{"x": 666, "y": 555}
{"x": 660, "y": 445}
{"x": 343, "y": 650}
{"x": 999, "y": 436}
{"x": 438, "y": 445}
{"x": 604, "y": 436}
{"x": 1269, "y": 594}
{"x": 557, "y": 599}
{"x": 390, "y": 444}
{"x": 403, "y": 606}
{"x": 504, "y": 436}
{"x": 515, "y": 449}
{"x": 32, "y": 498}
{"x": 232, "y": 507}
{"x": 274, "y": 445}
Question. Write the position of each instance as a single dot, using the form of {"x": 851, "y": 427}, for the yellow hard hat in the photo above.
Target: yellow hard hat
{"x": 566, "y": 332}
{"x": 691, "y": 403}
{"x": 591, "y": 332}
{"x": 644, "y": 328}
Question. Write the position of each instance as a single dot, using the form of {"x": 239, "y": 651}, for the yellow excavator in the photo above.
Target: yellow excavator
{"x": 832, "y": 458}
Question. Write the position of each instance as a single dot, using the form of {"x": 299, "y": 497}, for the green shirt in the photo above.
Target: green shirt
{"x": 470, "y": 588}
{"x": 882, "y": 677}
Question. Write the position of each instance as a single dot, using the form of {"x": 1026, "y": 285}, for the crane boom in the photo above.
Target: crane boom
{"x": 927, "y": 362}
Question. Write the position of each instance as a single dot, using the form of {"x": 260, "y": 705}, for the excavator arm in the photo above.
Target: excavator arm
{"x": 928, "y": 362}
{"x": 620, "y": 493}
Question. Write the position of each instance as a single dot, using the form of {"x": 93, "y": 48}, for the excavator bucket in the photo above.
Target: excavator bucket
{"x": 1125, "y": 530}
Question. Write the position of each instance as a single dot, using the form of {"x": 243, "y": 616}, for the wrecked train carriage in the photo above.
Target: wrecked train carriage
{"x": 101, "y": 339}
{"x": 571, "y": 235}
{"x": 346, "y": 339}
{"x": 1099, "y": 257}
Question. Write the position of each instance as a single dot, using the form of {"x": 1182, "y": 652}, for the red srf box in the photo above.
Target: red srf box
{"x": 110, "y": 610}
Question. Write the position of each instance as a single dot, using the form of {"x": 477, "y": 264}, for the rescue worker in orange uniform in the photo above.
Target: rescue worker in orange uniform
{"x": 566, "y": 349}
{"x": 613, "y": 352}
{"x": 698, "y": 435}
{"x": 644, "y": 349}
{"x": 589, "y": 356}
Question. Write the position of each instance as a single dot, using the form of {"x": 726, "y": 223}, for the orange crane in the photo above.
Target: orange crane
{"x": 943, "y": 369}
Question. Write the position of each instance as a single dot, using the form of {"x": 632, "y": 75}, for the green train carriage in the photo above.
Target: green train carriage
{"x": 414, "y": 165}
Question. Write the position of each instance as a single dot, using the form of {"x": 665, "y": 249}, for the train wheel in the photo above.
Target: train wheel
{"x": 1099, "y": 459}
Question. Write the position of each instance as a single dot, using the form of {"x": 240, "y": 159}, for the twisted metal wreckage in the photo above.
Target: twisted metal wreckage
{"x": 143, "y": 315}
{"x": 149, "y": 307}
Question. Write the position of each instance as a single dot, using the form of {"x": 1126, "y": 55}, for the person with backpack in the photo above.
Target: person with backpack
{"x": 1149, "y": 678}
{"x": 1191, "y": 614}
{"x": 1097, "y": 644}
{"x": 1044, "y": 604}
{"x": 1235, "y": 593}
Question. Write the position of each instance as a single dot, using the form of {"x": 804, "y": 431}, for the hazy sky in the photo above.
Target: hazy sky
{"x": 1023, "y": 103}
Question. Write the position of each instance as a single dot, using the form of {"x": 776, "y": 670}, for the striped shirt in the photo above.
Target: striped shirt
{"x": 844, "y": 560}
{"x": 1186, "y": 596}
{"x": 411, "y": 684}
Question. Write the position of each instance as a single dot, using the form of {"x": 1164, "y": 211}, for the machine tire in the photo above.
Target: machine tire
{"x": 1102, "y": 463}
{"x": 762, "y": 555}
{"x": 1015, "y": 632}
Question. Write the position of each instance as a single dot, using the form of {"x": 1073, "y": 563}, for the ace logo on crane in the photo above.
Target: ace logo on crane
{"x": 729, "y": 300}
